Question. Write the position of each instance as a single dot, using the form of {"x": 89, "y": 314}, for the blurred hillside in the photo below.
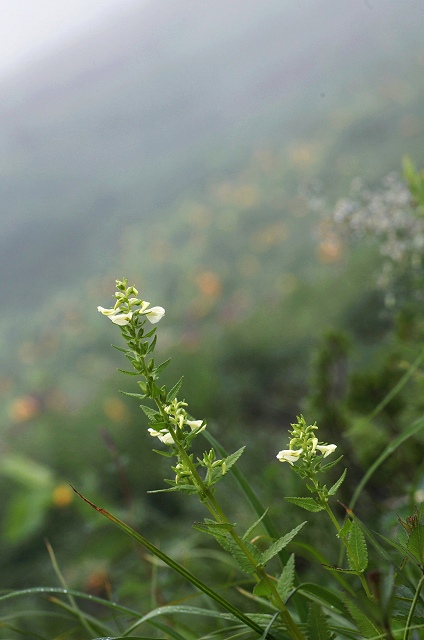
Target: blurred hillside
{"x": 179, "y": 146}
{"x": 170, "y": 100}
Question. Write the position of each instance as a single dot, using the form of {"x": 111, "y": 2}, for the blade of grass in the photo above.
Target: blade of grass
{"x": 187, "y": 575}
{"x": 78, "y": 613}
{"x": 389, "y": 449}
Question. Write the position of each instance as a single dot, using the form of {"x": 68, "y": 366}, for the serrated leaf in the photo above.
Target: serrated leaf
{"x": 139, "y": 396}
{"x": 162, "y": 366}
{"x": 337, "y": 484}
{"x": 152, "y": 345}
{"x": 121, "y": 349}
{"x": 345, "y": 528}
{"x": 317, "y": 624}
{"x": 357, "y": 550}
{"x": 174, "y": 391}
{"x": 285, "y": 582}
{"x": 233, "y": 457}
{"x": 279, "y": 544}
{"x": 254, "y": 525}
{"x": 209, "y": 526}
{"x": 306, "y": 503}
{"x": 262, "y": 589}
{"x": 152, "y": 414}
{"x": 415, "y": 544}
{"x": 330, "y": 465}
{"x": 247, "y": 563}
{"x": 364, "y": 624}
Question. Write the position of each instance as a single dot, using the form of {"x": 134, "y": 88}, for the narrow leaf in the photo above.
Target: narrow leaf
{"x": 357, "y": 551}
{"x": 162, "y": 366}
{"x": 330, "y": 567}
{"x": 330, "y": 465}
{"x": 152, "y": 345}
{"x": 233, "y": 457}
{"x": 129, "y": 373}
{"x": 337, "y": 484}
{"x": 174, "y": 391}
{"x": 152, "y": 414}
{"x": 254, "y": 525}
{"x": 306, "y": 503}
{"x": 416, "y": 544}
{"x": 323, "y": 596}
{"x": 279, "y": 544}
{"x": 364, "y": 624}
{"x": 140, "y": 396}
{"x": 317, "y": 624}
{"x": 285, "y": 582}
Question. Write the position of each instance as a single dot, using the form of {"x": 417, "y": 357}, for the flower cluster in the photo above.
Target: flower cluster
{"x": 122, "y": 313}
{"x": 178, "y": 419}
{"x": 304, "y": 444}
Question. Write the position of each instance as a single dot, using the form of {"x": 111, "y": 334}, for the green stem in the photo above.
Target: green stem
{"x": 412, "y": 609}
{"x": 359, "y": 573}
{"x": 214, "y": 508}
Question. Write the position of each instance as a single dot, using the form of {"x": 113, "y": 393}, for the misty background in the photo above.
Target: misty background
{"x": 182, "y": 145}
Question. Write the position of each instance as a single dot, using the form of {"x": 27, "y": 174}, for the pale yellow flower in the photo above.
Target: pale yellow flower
{"x": 289, "y": 455}
{"x": 154, "y": 314}
{"x": 326, "y": 449}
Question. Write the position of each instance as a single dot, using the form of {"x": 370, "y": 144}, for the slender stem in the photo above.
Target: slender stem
{"x": 207, "y": 497}
{"x": 334, "y": 520}
{"x": 412, "y": 609}
{"x": 215, "y": 509}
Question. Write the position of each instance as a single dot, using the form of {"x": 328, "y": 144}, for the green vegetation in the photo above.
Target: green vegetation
{"x": 276, "y": 307}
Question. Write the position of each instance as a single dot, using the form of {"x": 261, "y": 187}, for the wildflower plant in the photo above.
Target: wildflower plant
{"x": 377, "y": 602}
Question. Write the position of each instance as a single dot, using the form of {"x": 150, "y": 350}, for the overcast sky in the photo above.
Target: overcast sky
{"x": 31, "y": 27}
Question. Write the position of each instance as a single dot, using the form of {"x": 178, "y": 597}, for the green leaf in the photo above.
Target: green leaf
{"x": 394, "y": 444}
{"x": 183, "y": 488}
{"x": 285, "y": 582}
{"x": 323, "y": 596}
{"x": 306, "y": 503}
{"x": 139, "y": 396}
{"x": 337, "y": 484}
{"x": 209, "y": 526}
{"x": 330, "y": 567}
{"x": 317, "y": 624}
{"x": 152, "y": 414}
{"x": 129, "y": 373}
{"x": 330, "y": 465}
{"x": 121, "y": 349}
{"x": 415, "y": 544}
{"x": 174, "y": 391}
{"x": 233, "y": 457}
{"x": 247, "y": 563}
{"x": 254, "y": 525}
{"x": 345, "y": 529}
{"x": 357, "y": 550}
{"x": 162, "y": 366}
{"x": 262, "y": 589}
{"x": 364, "y": 624}
{"x": 152, "y": 345}
{"x": 279, "y": 544}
